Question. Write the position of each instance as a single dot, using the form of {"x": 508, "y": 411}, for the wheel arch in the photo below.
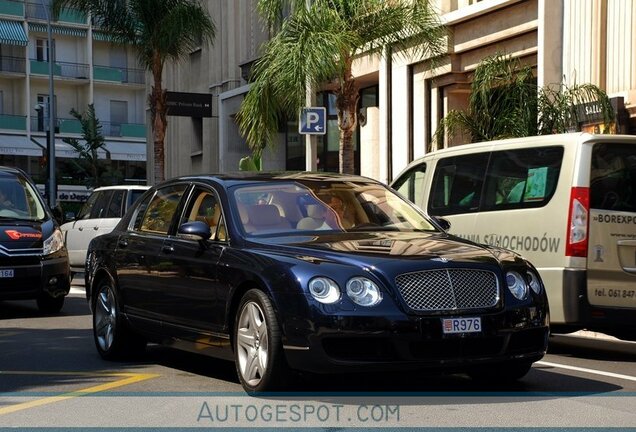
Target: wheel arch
{"x": 99, "y": 275}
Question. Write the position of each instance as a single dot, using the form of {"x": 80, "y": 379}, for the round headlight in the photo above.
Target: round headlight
{"x": 516, "y": 285}
{"x": 363, "y": 291}
{"x": 324, "y": 290}
{"x": 535, "y": 283}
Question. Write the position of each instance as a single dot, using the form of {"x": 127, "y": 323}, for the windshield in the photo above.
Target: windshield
{"x": 321, "y": 206}
{"x": 19, "y": 200}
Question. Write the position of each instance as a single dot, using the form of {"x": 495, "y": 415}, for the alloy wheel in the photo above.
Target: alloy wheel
{"x": 105, "y": 318}
{"x": 252, "y": 343}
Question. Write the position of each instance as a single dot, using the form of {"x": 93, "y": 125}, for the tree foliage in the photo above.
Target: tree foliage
{"x": 159, "y": 31}
{"x": 505, "y": 102}
{"x": 317, "y": 46}
{"x": 87, "y": 161}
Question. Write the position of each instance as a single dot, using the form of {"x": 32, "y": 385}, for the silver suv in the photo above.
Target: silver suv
{"x": 99, "y": 215}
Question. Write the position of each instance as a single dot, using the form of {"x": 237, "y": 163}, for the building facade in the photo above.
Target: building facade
{"x": 87, "y": 68}
{"x": 402, "y": 98}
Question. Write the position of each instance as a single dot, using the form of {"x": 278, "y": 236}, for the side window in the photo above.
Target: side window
{"x": 411, "y": 184}
{"x": 140, "y": 211}
{"x": 161, "y": 209}
{"x": 101, "y": 205}
{"x": 522, "y": 178}
{"x": 613, "y": 177}
{"x": 133, "y": 196}
{"x": 115, "y": 206}
{"x": 457, "y": 184}
{"x": 204, "y": 206}
{"x": 85, "y": 212}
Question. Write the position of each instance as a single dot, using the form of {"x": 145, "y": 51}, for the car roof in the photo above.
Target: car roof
{"x": 11, "y": 170}
{"x": 244, "y": 177}
{"x": 127, "y": 187}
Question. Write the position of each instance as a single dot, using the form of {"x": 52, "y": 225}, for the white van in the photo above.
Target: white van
{"x": 565, "y": 202}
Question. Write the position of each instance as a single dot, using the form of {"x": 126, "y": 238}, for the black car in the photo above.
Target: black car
{"x": 33, "y": 259}
{"x": 312, "y": 272}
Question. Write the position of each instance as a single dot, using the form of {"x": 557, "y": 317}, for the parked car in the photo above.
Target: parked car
{"x": 99, "y": 215}
{"x": 257, "y": 268}
{"x": 33, "y": 259}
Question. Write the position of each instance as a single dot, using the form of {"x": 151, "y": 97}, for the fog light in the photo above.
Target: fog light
{"x": 53, "y": 280}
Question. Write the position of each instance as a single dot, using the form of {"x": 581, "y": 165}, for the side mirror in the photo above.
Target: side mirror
{"x": 443, "y": 223}
{"x": 195, "y": 230}
{"x": 58, "y": 214}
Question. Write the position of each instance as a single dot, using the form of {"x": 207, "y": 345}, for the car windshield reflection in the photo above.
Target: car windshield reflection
{"x": 288, "y": 208}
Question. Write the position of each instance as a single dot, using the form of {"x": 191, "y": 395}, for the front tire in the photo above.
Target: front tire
{"x": 258, "y": 348}
{"x": 113, "y": 337}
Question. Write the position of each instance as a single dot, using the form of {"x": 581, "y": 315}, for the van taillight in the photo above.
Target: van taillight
{"x": 576, "y": 245}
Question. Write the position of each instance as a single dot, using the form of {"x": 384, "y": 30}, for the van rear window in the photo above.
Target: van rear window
{"x": 613, "y": 177}
{"x": 507, "y": 179}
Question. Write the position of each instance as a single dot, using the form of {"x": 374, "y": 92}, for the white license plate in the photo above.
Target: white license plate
{"x": 6, "y": 273}
{"x": 461, "y": 325}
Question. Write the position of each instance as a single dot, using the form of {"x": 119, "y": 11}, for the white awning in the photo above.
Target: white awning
{"x": 127, "y": 151}
{"x": 63, "y": 150}
{"x": 19, "y": 145}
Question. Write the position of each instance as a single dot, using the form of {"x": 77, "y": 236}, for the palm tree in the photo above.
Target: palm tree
{"x": 87, "y": 160}
{"x": 316, "y": 45}
{"x": 160, "y": 31}
{"x": 505, "y": 102}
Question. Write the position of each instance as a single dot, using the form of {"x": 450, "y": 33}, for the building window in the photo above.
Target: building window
{"x": 42, "y": 50}
{"x": 118, "y": 116}
{"x": 197, "y": 139}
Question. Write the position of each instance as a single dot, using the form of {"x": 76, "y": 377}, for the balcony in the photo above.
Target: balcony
{"x": 62, "y": 69}
{"x": 12, "y": 7}
{"x": 68, "y": 15}
{"x": 120, "y": 75}
{"x": 73, "y": 126}
{"x": 130, "y": 130}
{"x": 12, "y": 64}
{"x": 12, "y": 122}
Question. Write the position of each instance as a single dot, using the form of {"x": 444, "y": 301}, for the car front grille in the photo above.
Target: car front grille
{"x": 448, "y": 289}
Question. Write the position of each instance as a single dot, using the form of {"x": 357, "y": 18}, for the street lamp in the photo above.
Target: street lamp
{"x": 51, "y": 192}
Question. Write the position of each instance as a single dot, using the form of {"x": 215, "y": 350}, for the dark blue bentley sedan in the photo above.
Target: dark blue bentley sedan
{"x": 312, "y": 272}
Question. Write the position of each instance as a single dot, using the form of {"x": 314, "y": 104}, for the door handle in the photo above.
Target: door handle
{"x": 168, "y": 248}
{"x": 80, "y": 229}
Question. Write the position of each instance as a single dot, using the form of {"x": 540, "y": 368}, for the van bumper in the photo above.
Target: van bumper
{"x": 579, "y": 313}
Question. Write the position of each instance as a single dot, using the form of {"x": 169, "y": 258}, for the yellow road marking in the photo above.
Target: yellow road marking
{"x": 127, "y": 378}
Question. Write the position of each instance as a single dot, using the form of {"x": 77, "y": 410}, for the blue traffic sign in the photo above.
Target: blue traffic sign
{"x": 313, "y": 121}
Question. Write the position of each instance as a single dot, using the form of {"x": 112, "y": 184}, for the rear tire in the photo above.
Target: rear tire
{"x": 113, "y": 337}
{"x": 48, "y": 304}
{"x": 258, "y": 348}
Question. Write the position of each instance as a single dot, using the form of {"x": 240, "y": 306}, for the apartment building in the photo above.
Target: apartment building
{"x": 402, "y": 98}
{"x": 87, "y": 68}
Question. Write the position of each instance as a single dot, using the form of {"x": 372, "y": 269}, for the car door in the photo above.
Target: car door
{"x": 611, "y": 257}
{"x": 194, "y": 294}
{"x": 112, "y": 214}
{"x": 139, "y": 258}
{"x": 86, "y": 227}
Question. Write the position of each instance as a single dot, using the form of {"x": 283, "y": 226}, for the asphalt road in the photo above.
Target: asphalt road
{"x": 52, "y": 376}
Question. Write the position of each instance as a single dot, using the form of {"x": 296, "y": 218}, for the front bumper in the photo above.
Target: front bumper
{"x": 34, "y": 275}
{"x": 356, "y": 343}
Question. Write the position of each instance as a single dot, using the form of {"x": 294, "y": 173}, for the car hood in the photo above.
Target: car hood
{"x": 374, "y": 248}
{"x": 21, "y": 235}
